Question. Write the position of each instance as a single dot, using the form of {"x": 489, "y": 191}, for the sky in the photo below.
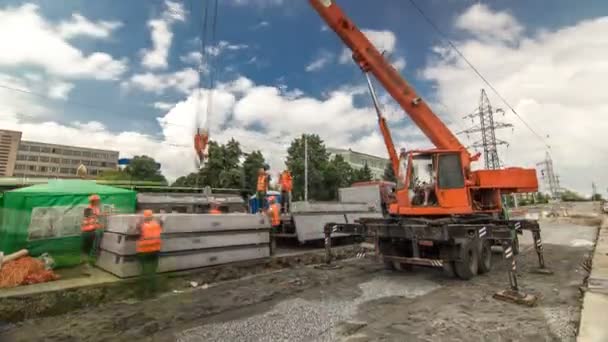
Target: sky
{"x": 130, "y": 76}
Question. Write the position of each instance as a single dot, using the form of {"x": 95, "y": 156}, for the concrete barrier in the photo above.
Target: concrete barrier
{"x": 329, "y": 207}
{"x": 188, "y": 241}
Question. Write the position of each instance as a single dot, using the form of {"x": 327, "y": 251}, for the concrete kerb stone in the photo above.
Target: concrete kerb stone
{"x": 594, "y": 322}
{"x": 59, "y": 301}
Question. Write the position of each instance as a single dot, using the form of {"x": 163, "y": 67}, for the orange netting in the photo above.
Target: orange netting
{"x": 24, "y": 271}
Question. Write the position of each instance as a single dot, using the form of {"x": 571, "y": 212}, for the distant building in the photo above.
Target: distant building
{"x": 357, "y": 160}
{"x": 9, "y": 144}
{"x": 20, "y": 158}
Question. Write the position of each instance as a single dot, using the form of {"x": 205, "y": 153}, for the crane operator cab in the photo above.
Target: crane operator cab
{"x": 428, "y": 176}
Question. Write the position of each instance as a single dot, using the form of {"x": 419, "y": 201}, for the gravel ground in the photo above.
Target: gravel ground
{"x": 359, "y": 302}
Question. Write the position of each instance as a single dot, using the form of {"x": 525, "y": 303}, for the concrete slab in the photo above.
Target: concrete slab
{"x": 188, "y": 223}
{"x": 598, "y": 279}
{"x": 128, "y": 266}
{"x": 122, "y": 244}
{"x": 330, "y": 207}
{"x": 310, "y": 227}
{"x": 594, "y": 321}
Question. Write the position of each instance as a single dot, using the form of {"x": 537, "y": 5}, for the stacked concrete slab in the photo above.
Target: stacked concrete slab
{"x": 310, "y": 217}
{"x": 188, "y": 241}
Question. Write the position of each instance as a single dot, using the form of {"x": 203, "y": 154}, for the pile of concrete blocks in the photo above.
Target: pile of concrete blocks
{"x": 188, "y": 241}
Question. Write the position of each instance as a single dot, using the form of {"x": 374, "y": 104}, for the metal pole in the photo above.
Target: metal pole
{"x": 305, "y": 168}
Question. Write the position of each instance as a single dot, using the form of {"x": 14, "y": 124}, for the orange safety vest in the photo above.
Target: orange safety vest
{"x": 91, "y": 223}
{"x": 286, "y": 182}
{"x": 215, "y": 211}
{"x": 275, "y": 214}
{"x": 262, "y": 183}
{"x": 149, "y": 240}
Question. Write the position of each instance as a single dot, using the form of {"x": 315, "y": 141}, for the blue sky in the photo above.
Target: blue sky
{"x": 283, "y": 58}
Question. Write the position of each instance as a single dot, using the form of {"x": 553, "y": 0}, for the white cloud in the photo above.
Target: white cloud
{"x": 29, "y": 40}
{"x": 238, "y": 105}
{"x": 81, "y": 26}
{"x": 163, "y": 105}
{"x": 555, "y": 82}
{"x": 320, "y": 62}
{"x": 60, "y": 90}
{"x": 258, "y": 3}
{"x": 193, "y": 57}
{"x": 261, "y": 24}
{"x": 161, "y": 35}
{"x": 399, "y": 63}
{"x": 223, "y": 46}
{"x": 487, "y": 25}
{"x": 182, "y": 81}
{"x": 383, "y": 40}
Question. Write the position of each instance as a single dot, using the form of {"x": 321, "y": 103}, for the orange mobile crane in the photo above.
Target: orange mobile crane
{"x": 445, "y": 214}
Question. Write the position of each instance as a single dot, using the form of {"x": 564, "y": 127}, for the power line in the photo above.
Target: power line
{"x": 453, "y": 46}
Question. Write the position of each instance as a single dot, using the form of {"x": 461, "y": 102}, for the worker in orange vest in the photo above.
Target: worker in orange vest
{"x": 262, "y": 189}
{"x": 286, "y": 183}
{"x": 215, "y": 208}
{"x": 274, "y": 212}
{"x": 91, "y": 229}
{"x": 148, "y": 251}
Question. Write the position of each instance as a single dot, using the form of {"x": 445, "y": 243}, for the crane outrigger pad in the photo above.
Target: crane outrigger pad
{"x": 516, "y": 297}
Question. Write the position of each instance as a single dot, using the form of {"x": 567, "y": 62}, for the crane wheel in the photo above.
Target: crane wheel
{"x": 468, "y": 265}
{"x": 485, "y": 256}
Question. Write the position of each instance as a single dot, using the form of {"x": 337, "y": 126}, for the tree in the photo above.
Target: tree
{"x": 389, "y": 174}
{"x": 597, "y": 197}
{"x": 222, "y": 169}
{"x": 571, "y": 196}
{"x": 144, "y": 168}
{"x": 253, "y": 162}
{"x": 338, "y": 174}
{"x": 317, "y": 162}
{"x": 141, "y": 168}
{"x": 364, "y": 174}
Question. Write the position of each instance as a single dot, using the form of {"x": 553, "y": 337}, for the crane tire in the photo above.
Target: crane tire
{"x": 485, "y": 256}
{"x": 468, "y": 265}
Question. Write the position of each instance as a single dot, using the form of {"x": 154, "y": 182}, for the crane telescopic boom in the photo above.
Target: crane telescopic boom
{"x": 371, "y": 60}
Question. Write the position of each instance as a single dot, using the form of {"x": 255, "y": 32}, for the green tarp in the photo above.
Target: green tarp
{"x": 45, "y": 218}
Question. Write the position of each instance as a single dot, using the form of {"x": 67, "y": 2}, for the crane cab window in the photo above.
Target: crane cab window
{"x": 450, "y": 171}
{"x": 422, "y": 181}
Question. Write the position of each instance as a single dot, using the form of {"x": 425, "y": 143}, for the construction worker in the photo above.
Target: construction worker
{"x": 262, "y": 189}
{"x": 286, "y": 183}
{"x": 91, "y": 229}
{"x": 274, "y": 212}
{"x": 148, "y": 250}
{"x": 214, "y": 208}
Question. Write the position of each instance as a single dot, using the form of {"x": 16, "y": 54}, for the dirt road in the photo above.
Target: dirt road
{"x": 359, "y": 302}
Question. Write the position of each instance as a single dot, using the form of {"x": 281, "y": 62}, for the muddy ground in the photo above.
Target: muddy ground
{"x": 358, "y": 302}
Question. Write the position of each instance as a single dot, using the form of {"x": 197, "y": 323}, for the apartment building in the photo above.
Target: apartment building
{"x": 36, "y": 159}
{"x": 358, "y": 159}
{"x": 9, "y": 143}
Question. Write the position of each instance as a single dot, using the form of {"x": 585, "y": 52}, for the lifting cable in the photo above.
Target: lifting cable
{"x": 476, "y": 71}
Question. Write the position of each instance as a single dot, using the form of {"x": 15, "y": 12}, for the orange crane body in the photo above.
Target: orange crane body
{"x": 454, "y": 187}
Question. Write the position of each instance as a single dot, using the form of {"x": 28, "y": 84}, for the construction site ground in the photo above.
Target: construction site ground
{"x": 358, "y": 302}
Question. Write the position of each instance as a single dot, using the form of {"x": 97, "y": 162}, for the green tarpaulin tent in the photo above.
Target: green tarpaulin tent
{"x": 45, "y": 218}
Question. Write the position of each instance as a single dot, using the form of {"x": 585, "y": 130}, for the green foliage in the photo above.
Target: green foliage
{"x": 251, "y": 165}
{"x": 222, "y": 170}
{"x": 597, "y": 197}
{"x": 571, "y": 196}
{"x": 364, "y": 174}
{"x": 141, "y": 168}
{"x": 337, "y": 174}
{"x": 389, "y": 174}
{"x": 317, "y": 163}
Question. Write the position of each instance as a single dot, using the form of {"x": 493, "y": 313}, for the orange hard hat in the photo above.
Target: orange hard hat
{"x": 93, "y": 198}
{"x": 148, "y": 213}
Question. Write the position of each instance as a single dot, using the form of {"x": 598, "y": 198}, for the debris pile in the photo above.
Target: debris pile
{"x": 24, "y": 271}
